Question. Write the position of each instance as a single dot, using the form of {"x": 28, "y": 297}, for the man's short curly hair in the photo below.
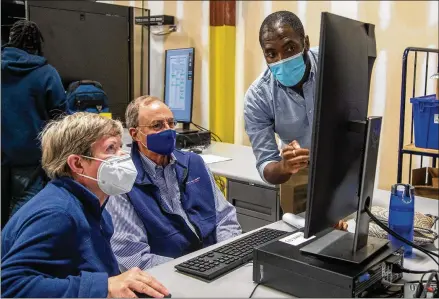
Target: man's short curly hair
{"x": 282, "y": 17}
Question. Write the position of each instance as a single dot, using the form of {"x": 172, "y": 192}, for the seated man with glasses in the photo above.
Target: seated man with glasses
{"x": 174, "y": 207}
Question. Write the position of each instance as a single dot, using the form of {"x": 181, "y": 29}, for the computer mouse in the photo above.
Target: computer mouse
{"x": 293, "y": 220}
{"x": 142, "y": 295}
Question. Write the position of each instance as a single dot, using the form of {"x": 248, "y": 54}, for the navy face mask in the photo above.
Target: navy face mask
{"x": 162, "y": 143}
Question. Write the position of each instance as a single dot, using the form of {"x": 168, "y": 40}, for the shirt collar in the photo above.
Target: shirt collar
{"x": 151, "y": 167}
{"x": 313, "y": 59}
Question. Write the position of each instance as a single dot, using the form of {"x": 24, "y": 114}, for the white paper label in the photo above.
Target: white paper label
{"x": 436, "y": 118}
{"x": 295, "y": 239}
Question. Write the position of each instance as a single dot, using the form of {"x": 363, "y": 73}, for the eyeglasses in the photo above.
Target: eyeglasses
{"x": 160, "y": 124}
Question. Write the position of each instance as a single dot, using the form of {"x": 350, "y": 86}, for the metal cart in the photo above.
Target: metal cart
{"x": 410, "y": 148}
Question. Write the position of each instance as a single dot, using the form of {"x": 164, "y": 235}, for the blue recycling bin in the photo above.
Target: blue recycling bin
{"x": 426, "y": 121}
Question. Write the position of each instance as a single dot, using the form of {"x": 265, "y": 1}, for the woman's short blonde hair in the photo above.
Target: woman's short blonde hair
{"x": 73, "y": 134}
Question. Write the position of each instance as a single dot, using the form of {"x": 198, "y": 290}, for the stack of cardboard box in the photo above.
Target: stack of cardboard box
{"x": 426, "y": 182}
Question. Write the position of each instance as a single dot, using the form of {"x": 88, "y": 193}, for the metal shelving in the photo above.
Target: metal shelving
{"x": 409, "y": 148}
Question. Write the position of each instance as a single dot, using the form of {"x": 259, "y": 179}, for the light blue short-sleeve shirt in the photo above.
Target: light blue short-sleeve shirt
{"x": 271, "y": 108}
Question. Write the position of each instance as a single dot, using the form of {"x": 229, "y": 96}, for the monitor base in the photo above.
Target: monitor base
{"x": 338, "y": 245}
{"x": 185, "y": 131}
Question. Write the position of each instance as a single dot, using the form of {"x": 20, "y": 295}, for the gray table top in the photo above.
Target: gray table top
{"x": 242, "y": 167}
{"x": 236, "y": 284}
{"x": 239, "y": 283}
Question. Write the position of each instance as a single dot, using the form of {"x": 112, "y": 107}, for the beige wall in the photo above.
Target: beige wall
{"x": 399, "y": 24}
{"x": 192, "y": 31}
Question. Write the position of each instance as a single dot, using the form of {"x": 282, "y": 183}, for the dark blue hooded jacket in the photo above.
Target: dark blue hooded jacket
{"x": 32, "y": 93}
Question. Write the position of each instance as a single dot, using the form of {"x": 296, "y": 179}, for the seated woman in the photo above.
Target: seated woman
{"x": 58, "y": 244}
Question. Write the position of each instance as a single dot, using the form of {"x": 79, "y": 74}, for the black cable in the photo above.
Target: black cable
{"x": 395, "y": 294}
{"x": 204, "y": 129}
{"x": 199, "y": 127}
{"x": 405, "y": 270}
{"x": 427, "y": 285}
{"x": 391, "y": 232}
{"x": 421, "y": 281}
{"x": 392, "y": 294}
{"x": 384, "y": 292}
{"x": 391, "y": 284}
{"x": 422, "y": 278}
{"x": 251, "y": 295}
{"x": 213, "y": 136}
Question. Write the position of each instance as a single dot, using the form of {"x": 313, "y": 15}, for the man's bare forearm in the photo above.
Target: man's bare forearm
{"x": 275, "y": 173}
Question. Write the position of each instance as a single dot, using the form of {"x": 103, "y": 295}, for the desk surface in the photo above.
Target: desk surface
{"x": 239, "y": 283}
{"x": 242, "y": 167}
{"x": 236, "y": 284}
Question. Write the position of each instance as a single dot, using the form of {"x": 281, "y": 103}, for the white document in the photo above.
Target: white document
{"x": 209, "y": 159}
{"x": 295, "y": 239}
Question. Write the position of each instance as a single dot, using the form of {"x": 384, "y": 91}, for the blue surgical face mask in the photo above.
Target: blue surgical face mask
{"x": 289, "y": 71}
{"x": 162, "y": 143}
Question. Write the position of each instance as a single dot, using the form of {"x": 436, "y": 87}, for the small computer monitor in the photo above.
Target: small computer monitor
{"x": 344, "y": 139}
{"x": 179, "y": 83}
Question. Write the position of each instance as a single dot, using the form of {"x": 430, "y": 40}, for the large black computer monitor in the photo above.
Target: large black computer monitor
{"x": 179, "y": 83}
{"x": 344, "y": 142}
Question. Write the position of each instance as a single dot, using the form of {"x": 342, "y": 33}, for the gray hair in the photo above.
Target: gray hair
{"x": 132, "y": 113}
{"x": 73, "y": 135}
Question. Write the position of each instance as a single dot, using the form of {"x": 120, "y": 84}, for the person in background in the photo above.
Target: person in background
{"x": 31, "y": 94}
{"x": 58, "y": 244}
{"x": 175, "y": 206}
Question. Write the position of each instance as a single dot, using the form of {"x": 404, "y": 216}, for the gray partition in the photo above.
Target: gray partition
{"x": 95, "y": 41}
{"x": 256, "y": 206}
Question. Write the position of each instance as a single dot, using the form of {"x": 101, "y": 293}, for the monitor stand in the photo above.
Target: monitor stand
{"x": 358, "y": 247}
{"x": 186, "y": 129}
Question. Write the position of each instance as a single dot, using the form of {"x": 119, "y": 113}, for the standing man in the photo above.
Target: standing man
{"x": 32, "y": 93}
{"x": 281, "y": 101}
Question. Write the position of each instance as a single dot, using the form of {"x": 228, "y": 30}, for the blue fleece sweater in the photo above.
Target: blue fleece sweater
{"x": 32, "y": 93}
{"x": 58, "y": 245}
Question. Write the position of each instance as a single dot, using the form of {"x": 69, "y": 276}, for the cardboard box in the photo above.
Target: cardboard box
{"x": 434, "y": 174}
{"x": 437, "y": 88}
{"x": 425, "y": 181}
{"x": 435, "y": 77}
{"x": 293, "y": 194}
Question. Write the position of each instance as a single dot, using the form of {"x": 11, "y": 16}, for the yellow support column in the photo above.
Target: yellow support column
{"x": 222, "y": 73}
{"x": 222, "y": 69}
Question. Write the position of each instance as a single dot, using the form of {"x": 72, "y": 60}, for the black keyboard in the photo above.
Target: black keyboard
{"x": 223, "y": 259}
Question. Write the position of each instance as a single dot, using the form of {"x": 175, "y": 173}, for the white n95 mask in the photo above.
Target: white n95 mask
{"x": 116, "y": 175}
